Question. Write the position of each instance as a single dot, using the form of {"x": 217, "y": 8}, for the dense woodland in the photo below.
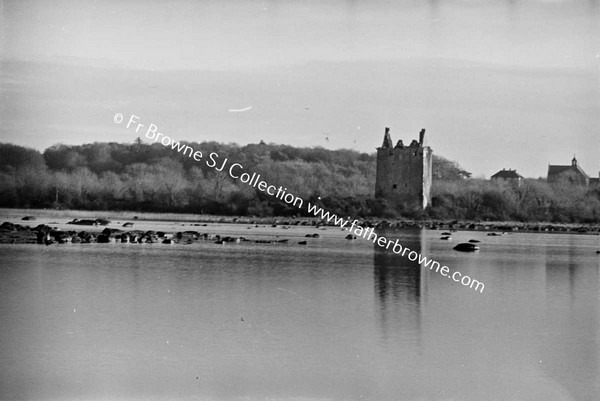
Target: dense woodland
{"x": 144, "y": 177}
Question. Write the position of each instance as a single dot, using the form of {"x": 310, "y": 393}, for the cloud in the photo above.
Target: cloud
{"x": 240, "y": 110}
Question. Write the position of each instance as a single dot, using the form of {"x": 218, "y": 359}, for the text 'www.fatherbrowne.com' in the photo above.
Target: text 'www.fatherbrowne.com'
{"x": 368, "y": 233}
{"x": 236, "y": 171}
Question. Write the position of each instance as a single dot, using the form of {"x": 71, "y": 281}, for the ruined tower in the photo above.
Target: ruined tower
{"x": 404, "y": 172}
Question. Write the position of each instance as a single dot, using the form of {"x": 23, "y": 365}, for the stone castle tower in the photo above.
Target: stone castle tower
{"x": 404, "y": 172}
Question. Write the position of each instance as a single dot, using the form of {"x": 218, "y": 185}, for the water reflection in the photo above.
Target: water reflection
{"x": 398, "y": 288}
{"x": 572, "y": 284}
{"x": 259, "y": 322}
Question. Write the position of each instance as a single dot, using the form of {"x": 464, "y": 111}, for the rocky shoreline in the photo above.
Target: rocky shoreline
{"x": 96, "y": 230}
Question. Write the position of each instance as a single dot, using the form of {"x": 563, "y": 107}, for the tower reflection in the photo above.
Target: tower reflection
{"x": 398, "y": 288}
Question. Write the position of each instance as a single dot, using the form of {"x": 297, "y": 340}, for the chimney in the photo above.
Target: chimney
{"x": 422, "y": 137}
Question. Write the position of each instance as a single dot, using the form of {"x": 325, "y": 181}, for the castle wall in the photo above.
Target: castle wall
{"x": 404, "y": 174}
{"x": 427, "y": 176}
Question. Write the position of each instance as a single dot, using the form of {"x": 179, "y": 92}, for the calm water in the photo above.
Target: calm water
{"x": 336, "y": 319}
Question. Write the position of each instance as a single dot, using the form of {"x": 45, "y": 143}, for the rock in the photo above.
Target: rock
{"x": 111, "y": 231}
{"x": 84, "y": 222}
{"x": 466, "y": 247}
{"x": 41, "y": 237}
{"x": 128, "y": 224}
{"x": 85, "y": 236}
{"x": 57, "y": 235}
{"x": 28, "y": 218}
{"x": 302, "y": 243}
{"x": 63, "y": 239}
{"x": 8, "y": 226}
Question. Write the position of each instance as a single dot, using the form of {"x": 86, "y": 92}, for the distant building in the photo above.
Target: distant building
{"x": 508, "y": 176}
{"x": 572, "y": 174}
{"x": 404, "y": 173}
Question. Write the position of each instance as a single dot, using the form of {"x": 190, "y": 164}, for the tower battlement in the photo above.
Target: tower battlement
{"x": 404, "y": 173}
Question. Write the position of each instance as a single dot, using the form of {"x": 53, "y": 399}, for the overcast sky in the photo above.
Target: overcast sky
{"x": 513, "y": 84}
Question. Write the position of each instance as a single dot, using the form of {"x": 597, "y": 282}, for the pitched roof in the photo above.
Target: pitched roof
{"x": 556, "y": 170}
{"x": 507, "y": 174}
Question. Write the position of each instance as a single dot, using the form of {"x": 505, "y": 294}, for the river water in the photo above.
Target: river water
{"x": 334, "y": 319}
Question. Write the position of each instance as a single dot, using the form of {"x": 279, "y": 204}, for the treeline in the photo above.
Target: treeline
{"x": 152, "y": 177}
{"x": 533, "y": 200}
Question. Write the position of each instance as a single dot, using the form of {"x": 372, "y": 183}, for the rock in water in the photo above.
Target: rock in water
{"x": 466, "y": 247}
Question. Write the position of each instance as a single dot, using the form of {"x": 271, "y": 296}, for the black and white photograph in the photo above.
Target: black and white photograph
{"x": 300, "y": 200}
